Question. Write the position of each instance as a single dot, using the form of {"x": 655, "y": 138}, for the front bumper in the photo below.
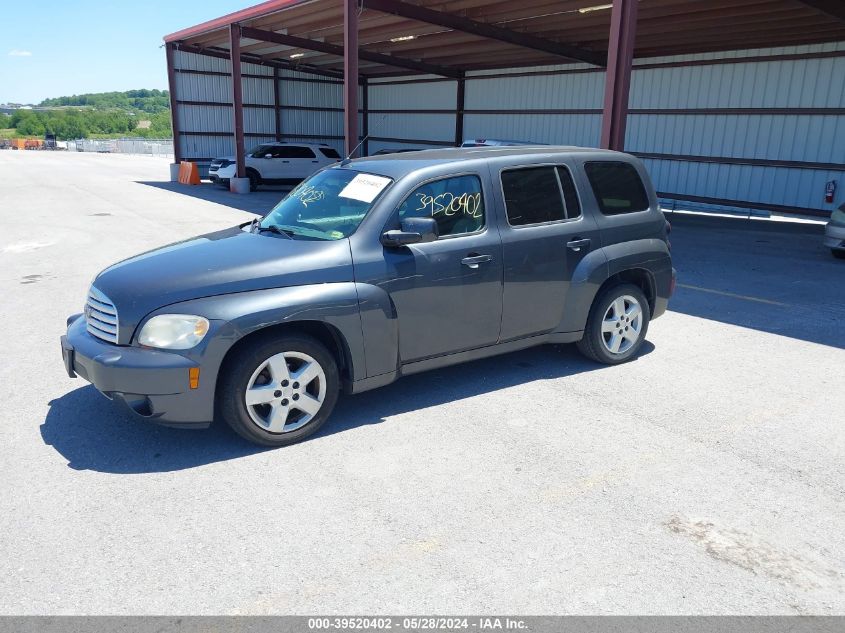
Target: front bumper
{"x": 154, "y": 384}
{"x": 834, "y": 235}
{"x": 223, "y": 173}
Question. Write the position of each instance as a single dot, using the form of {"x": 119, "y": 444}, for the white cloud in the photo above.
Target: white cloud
{"x": 16, "y": 52}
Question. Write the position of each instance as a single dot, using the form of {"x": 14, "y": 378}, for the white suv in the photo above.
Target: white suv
{"x": 275, "y": 163}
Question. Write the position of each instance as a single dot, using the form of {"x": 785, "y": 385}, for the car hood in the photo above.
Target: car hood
{"x": 223, "y": 262}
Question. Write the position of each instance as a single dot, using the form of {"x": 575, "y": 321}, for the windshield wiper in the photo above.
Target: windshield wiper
{"x": 275, "y": 228}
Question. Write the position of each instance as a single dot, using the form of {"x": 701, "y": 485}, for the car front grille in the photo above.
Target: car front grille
{"x": 101, "y": 316}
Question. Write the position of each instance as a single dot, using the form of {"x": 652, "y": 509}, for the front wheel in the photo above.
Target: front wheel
{"x": 617, "y": 325}
{"x": 276, "y": 392}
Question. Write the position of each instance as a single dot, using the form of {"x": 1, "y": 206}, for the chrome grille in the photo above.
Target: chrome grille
{"x": 101, "y": 316}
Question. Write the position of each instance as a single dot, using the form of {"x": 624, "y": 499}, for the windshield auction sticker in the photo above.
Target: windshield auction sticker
{"x": 364, "y": 187}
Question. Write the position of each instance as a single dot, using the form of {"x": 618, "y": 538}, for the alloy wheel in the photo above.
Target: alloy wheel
{"x": 622, "y": 324}
{"x": 285, "y": 392}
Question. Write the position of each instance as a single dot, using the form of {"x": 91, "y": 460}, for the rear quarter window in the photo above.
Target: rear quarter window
{"x": 617, "y": 187}
{"x": 329, "y": 152}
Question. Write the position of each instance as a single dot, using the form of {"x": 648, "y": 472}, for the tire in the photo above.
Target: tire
{"x": 838, "y": 253}
{"x": 267, "y": 368}
{"x": 254, "y": 179}
{"x": 598, "y": 341}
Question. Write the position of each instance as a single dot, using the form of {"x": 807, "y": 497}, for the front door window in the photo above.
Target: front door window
{"x": 456, "y": 204}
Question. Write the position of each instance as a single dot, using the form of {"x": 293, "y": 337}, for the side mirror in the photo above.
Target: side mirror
{"x": 268, "y": 156}
{"x": 413, "y": 231}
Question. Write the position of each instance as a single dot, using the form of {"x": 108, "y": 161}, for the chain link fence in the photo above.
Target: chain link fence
{"x": 148, "y": 146}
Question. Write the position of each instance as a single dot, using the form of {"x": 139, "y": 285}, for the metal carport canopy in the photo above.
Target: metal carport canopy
{"x": 451, "y": 37}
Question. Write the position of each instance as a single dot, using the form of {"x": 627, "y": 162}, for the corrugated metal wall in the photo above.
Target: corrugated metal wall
{"x": 427, "y": 126}
{"x": 790, "y": 110}
{"x": 709, "y": 130}
{"x": 311, "y": 107}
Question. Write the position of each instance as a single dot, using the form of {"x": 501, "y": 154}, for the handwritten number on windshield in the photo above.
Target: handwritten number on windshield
{"x": 308, "y": 194}
{"x": 449, "y": 204}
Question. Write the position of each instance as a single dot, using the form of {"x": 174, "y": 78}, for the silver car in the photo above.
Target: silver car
{"x": 834, "y": 233}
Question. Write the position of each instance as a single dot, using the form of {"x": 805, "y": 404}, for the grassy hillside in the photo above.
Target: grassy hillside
{"x": 137, "y": 101}
{"x": 112, "y": 114}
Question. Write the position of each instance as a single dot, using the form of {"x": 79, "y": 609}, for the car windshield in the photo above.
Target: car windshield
{"x": 327, "y": 206}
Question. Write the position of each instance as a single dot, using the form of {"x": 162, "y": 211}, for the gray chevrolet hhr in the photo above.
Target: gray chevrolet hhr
{"x": 373, "y": 269}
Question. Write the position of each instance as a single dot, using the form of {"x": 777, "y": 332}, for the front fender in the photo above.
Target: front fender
{"x": 243, "y": 313}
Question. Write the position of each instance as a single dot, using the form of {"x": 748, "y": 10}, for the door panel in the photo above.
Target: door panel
{"x": 303, "y": 162}
{"x": 538, "y": 266}
{"x": 447, "y": 293}
{"x": 444, "y": 304}
{"x": 544, "y": 240}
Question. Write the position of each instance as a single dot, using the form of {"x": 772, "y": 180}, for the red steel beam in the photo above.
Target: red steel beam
{"x": 237, "y": 98}
{"x": 174, "y": 113}
{"x": 623, "y": 30}
{"x": 280, "y": 63}
{"x": 249, "y": 13}
{"x": 333, "y": 49}
{"x": 833, "y": 8}
{"x": 350, "y": 75}
{"x": 483, "y": 29}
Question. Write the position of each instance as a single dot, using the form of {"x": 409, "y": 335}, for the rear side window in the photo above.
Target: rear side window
{"x": 329, "y": 152}
{"x": 617, "y": 187}
{"x": 532, "y": 196}
{"x": 293, "y": 151}
{"x": 536, "y": 194}
{"x": 570, "y": 196}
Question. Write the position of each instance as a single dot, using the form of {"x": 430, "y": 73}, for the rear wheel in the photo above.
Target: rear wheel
{"x": 277, "y": 392}
{"x": 254, "y": 179}
{"x": 617, "y": 325}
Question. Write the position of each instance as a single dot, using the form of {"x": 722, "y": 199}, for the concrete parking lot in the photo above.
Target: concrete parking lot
{"x": 706, "y": 477}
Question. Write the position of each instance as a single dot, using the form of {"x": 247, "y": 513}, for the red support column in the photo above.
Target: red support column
{"x": 459, "y": 112}
{"x": 277, "y": 100}
{"x": 170, "y": 49}
{"x": 350, "y": 74}
{"x": 620, "y": 55}
{"x": 237, "y": 97}
{"x": 365, "y": 117}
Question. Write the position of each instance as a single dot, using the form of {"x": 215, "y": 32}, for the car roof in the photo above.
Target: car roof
{"x": 496, "y": 141}
{"x": 287, "y": 143}
{"x": 401, "y": 164}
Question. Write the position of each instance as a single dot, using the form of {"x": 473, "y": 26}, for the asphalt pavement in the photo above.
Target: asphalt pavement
{"x": 706, "y": 477}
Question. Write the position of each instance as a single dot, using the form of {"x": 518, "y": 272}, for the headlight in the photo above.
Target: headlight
{"x": 173, "y": 331}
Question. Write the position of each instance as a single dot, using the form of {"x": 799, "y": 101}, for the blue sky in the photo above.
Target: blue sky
{"x": 52, "y": 48}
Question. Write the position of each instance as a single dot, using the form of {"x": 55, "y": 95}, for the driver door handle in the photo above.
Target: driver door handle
{"x": 473, "y": 260}
{"x": 577, "y": 244}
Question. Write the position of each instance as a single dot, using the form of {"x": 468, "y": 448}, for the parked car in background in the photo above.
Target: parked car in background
{"x": 275, "y": 163}
{"x": 834, "y": 232}
{"x": 374, "y": 269}
{"x": 492, "y": 142}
